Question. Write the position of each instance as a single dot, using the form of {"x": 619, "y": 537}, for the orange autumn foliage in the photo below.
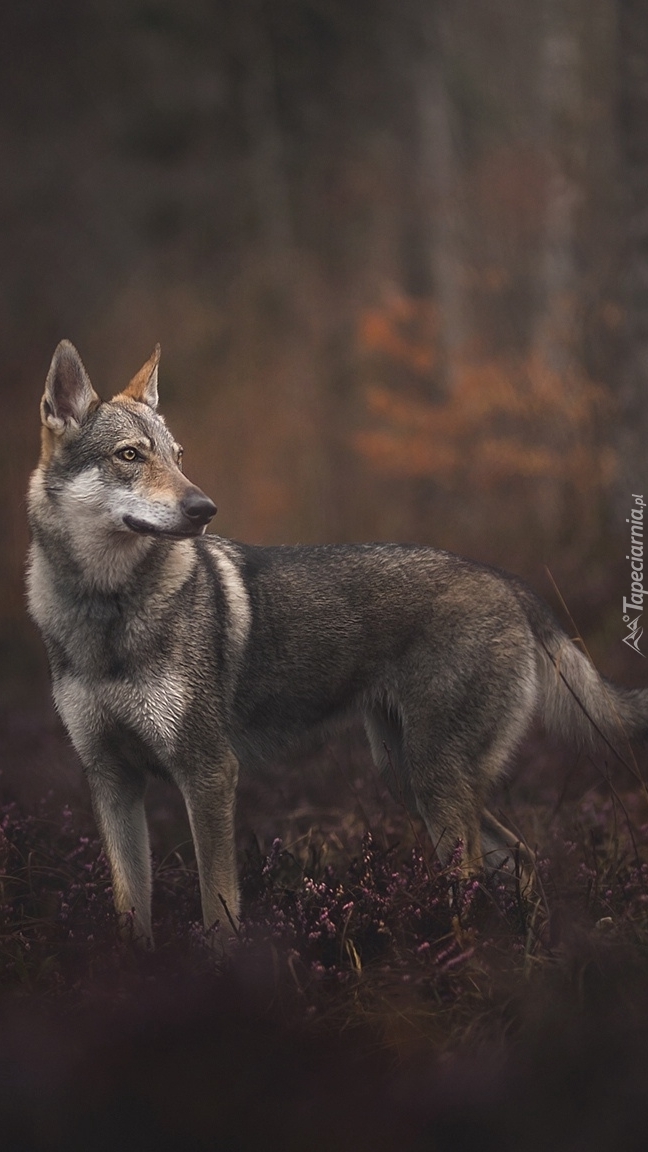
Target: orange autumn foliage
{"x": 499, "y": 420}
{"x": 406, "y": 331}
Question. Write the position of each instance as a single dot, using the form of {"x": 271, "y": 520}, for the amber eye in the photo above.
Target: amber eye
{"x": 128, "y": 454}
{"x": 180, "y": 455}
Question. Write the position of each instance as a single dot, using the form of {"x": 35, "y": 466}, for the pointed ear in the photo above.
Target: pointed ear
{"x": 143, "y": 386}
{"x": 69, "y": 395}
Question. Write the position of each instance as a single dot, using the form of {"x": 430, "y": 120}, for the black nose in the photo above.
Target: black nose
{"x": 197, "y": 507}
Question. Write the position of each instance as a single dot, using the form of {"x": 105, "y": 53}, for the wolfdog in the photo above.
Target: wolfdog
{"x": 180, "y": 654}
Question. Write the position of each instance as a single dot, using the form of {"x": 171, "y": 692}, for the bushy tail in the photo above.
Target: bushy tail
{"x": 576, "y": 702}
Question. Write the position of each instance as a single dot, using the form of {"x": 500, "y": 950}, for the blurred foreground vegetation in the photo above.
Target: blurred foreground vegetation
{"x": 373, "y": 998}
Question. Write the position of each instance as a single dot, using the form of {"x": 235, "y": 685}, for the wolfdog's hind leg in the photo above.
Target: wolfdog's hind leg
{"x": 385, "y": 734}
{"x": 442, "y": 798}
{"x": 451, "y": 818}
{"x": 447, "y": 786}
{"x": 504, "y": 851}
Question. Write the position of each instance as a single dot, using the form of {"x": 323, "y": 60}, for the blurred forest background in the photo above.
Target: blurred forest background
{"x": 396, "y": 255}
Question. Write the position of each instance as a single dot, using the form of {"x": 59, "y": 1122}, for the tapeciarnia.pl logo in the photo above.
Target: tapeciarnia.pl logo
{"x": 635, "y": 601}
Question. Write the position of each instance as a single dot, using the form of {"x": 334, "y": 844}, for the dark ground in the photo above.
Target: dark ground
{"x": 374, "y": 1001}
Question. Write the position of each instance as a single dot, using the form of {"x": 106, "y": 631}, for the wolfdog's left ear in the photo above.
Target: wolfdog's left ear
{"x": 69, "y": 395}
{"x": 143, "y": 386}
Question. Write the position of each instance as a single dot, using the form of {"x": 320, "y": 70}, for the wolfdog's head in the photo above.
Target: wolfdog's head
{"x": 114, "y": 464}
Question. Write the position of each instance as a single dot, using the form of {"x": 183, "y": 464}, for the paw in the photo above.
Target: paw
{"x": 131, "y": 930}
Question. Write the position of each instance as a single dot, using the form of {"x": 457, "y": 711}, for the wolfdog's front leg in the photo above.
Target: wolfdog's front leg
{"x": 210, "y": 796}
{"x": 118, "y": 803}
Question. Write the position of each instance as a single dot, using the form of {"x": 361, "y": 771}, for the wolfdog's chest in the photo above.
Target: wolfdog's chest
{"x": 152, "y": 708}
{"x": 114, "y": 667}
{"x": 102, "y": 687}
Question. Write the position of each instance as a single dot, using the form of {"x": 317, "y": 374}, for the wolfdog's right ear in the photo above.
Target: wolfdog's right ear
{"x": 69, "y": 395}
